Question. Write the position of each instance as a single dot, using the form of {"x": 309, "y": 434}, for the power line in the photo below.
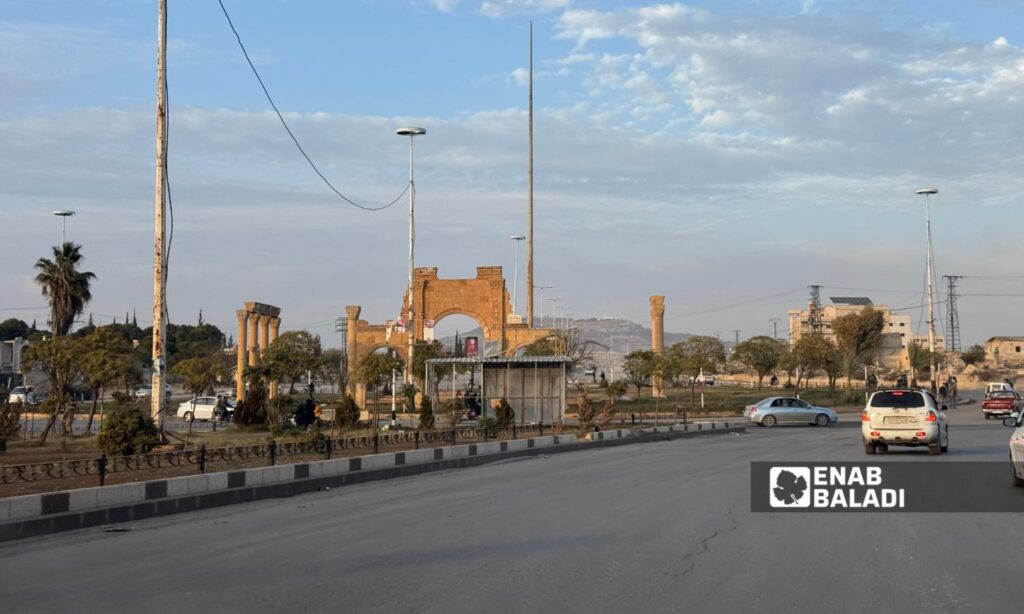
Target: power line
{"x": 289, "y": 130}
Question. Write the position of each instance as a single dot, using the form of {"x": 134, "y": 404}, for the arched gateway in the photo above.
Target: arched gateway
{"x": 483, "y": 298}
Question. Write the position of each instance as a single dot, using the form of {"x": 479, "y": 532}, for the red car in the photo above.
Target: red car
{"x": 1001, "y": 403}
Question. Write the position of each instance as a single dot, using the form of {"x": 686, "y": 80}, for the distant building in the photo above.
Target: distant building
{"x": 896, "y": 336}
{"x": 10, "y": 355}
{"x": 1005, "y": 351}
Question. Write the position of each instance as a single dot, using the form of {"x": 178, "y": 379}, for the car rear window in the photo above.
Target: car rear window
{"x": 897, "y": 398}
{"x": 999, "y": 394}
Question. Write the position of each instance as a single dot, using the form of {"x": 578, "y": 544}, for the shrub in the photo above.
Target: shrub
{"x": 10, "y": 423}
{"x": 486, "y": 422}
{"x": 504, "y": 414}
{"x": 347, "y": 413}
{"x": 279, "y": 409}
{"x": 128, "y": 431}
{"x": 252, "y": 411}
{"x": 315, "y": 439}
{"x": 121, "y": 397}
{"x": 426, "y": 413}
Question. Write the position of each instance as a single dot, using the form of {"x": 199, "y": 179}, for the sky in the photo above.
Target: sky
{"x": 725, "y": 154}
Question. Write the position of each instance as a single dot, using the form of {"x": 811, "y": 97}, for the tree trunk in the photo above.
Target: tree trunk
{"x": 291, "y": 387}
{"x": 49, "y": 425}
{"x": 92, "y": 411}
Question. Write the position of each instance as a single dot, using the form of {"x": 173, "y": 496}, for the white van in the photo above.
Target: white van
{"x": 996, "y": 386}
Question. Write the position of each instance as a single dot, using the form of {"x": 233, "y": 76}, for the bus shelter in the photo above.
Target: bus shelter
{"x": 534, "y": 386}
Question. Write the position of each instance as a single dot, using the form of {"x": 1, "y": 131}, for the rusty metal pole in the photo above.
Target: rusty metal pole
{"x": 159, "y": 274}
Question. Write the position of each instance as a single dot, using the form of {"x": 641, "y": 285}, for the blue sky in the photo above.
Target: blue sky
{"x": 725, "y": 154}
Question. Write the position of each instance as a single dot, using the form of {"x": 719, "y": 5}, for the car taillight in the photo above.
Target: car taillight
{"x": 931, "y": 417}
{"x": 920, "y": 433}
{"x": 753, "y": 410}
{"x": 864, "y": 417}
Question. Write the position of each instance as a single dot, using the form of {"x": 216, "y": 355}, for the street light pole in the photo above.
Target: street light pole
{"x": 63, "y": 214}
{"x": 930, "y": 267}
{"x": 515, "y": 279}
{"x": 410, "y": 332}
{"x": 542, "y": 289}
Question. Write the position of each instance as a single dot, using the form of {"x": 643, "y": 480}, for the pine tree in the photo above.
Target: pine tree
{"x": 135, "y": 321}
{"x": 33, "y": 329}
{"x": 200, "y": 317}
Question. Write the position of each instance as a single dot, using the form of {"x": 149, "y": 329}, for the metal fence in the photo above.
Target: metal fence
{"x": 271, "y": 453}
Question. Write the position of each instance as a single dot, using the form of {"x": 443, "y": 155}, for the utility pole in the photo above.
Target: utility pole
{"x": 159, "y": 274}
{"x": 775, "y": 327}
{"x": 930, "y": 272}
{"x": 953, "y": 329}
{"x": 529, "y": 228}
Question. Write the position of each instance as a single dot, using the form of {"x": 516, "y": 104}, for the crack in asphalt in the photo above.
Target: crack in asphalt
{"x": 704, "y": 546}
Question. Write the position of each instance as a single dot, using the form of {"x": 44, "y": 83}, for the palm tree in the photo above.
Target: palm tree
{"x": 66, "y": 288}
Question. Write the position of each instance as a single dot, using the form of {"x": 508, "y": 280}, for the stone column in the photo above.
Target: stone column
{"x": 658, "y": 338}
{"x": 251, "y": 345}
{"x": 264, "y": 332}
{"x": 352, "y": 313}
{"x": 240, "y": 350}
{"x": 275, "y": 329}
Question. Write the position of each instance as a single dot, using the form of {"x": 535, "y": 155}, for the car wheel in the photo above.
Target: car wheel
{"x": 821, "y": 420}
{"x": 870, "y": 448}
{"x": 188, "y": 416}
{"x": 1017, "y": 481}
{"x": 768, "y": 421}
{"x": 945, "y": 448}
{"x": 934, "y": 449}
{"x": 988, "y": 416}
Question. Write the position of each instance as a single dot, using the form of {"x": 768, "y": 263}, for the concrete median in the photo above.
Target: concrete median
{"x": 41, "y": 514}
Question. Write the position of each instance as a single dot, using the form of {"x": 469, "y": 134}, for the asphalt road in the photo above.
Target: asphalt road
{"x": 660, "y": 527}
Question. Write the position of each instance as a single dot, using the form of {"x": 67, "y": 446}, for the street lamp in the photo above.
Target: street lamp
{"x": 554, "y": 305}
{"x": 515, "y": 279}
{"x": 64, "y": 214}
{"x": 412, "y": 132}
{"x": 542, "y": 289}
{"x": 930, "y": 267}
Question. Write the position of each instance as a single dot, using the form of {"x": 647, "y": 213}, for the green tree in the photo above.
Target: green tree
{"x": 65, "y": 287}
{"x": 199, "y": 375}
{"x": 291, "y": 355}
{"x": 920, "y": 358}
{"x": 423, "y": 351}
{"x": 128, "y": 431}
{"x": 375, "y": 370}
{"x": 858, "y": 337}
{"x": 104, "y": 358}
{"x": 12, "y": 329}
{"x": 762, "y": 354}
{"x": 426, "y": 414}
{"x": 696, "y": 355}
{"x": 347, "y": 414}
{"x": 974, "y": 355}
{"x": 615, "y": 389}
{"x": 57, "y": 357}
{"x": 639, "y": 367}
{"x": 809, "y": 355}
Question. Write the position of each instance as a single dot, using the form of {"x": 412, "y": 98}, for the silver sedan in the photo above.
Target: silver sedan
{"x": 788, "y": 410}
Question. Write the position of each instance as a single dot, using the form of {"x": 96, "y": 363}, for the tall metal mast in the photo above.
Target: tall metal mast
{"x": 159, "y": 273}
{"x": 930, "y": 268}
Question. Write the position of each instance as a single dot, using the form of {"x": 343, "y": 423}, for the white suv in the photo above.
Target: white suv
{"x": 904, "y": 417}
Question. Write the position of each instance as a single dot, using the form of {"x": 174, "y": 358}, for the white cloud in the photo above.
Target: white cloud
{"x": 445, "y": 6}
{"x": 504, "y": 8}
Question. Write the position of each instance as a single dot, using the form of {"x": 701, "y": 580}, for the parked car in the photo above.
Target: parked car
{"x": 705, "y": 378}
{"x": 904, "y": 417}
{"x": 1016, "y": 422}
{"x": 145, "y": 392}
{"x": 202, "y": 408}
{"x": 1001, "y": 403}
{"x": 788, "y": 410}
{"x": 25, "y": 395}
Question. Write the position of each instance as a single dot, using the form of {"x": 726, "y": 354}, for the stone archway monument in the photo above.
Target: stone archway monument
{"x": 483, "y": 298}
{"x": 258, "y": 326}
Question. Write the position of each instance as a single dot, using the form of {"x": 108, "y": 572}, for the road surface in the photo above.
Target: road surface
{"x": 660, "y": 527}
